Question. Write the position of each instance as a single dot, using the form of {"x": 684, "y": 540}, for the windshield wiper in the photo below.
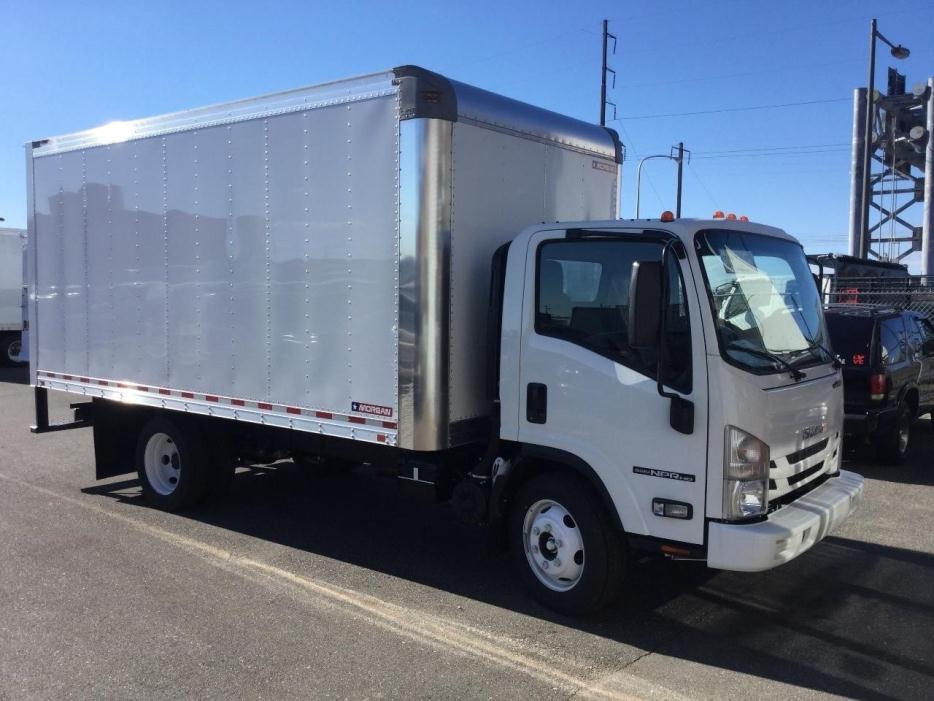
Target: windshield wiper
{"x": 795, "y": 373}
{"x": 835, "y": 359}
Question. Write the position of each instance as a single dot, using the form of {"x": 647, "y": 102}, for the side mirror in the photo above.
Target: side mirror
{"x": 645, "y": 304}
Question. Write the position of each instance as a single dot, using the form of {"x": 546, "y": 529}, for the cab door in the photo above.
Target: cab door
{"x": 585, "y": 392}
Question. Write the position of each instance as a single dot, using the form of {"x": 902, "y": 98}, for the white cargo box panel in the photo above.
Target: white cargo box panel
{"x": 12, "y": 242}
{"x": 317, "y": 259}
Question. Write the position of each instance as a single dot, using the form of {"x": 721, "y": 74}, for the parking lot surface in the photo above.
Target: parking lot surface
{"x": 297, "y": 586}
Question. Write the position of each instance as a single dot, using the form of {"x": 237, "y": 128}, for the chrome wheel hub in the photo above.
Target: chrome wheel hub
{"x": 553, "y": 545}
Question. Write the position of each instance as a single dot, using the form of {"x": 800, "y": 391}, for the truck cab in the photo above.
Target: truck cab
{"x": 681, "y": 369}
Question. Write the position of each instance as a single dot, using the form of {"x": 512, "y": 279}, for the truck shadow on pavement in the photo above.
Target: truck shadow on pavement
{"x": 849, "y": 617}
{"x": 15, "y": 375}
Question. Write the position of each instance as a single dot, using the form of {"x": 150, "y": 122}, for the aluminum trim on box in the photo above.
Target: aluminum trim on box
{"x": 331, "y": 93}
{"x": 501, "y": 113}
{"x": 425, "y": 212}
{"x": 326, "y": 423}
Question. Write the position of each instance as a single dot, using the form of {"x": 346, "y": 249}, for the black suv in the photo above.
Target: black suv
{"x": 888, "y": 373}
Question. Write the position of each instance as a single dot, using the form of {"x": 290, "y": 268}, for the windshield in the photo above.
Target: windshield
{"x": 765, "y": 303}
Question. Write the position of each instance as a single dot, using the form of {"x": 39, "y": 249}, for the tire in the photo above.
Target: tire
{"x": 9, "y": 349}
{"x": 172, "y": 463}
{"x": 557, "y": 514}
{"x": 894, "y": 444}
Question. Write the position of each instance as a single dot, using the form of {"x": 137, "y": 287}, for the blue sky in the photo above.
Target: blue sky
{"x": 69, "y": 66}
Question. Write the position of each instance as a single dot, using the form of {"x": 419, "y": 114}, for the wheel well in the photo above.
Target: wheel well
{"x": 534, "y": 460}
{"x": 911, "y": 396}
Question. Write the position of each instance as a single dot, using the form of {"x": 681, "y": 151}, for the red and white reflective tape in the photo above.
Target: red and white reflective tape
{"x": 228, "y": 401}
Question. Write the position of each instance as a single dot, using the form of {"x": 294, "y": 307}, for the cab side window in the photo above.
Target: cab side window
{"x": 893, "y": 343}
{"x": 583, "y": 297}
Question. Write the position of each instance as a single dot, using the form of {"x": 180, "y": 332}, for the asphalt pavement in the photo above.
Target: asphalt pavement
{"x": 299, "y": 586}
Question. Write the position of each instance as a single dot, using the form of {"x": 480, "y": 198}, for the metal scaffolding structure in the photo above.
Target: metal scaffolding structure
{"x": 900, "y": 174}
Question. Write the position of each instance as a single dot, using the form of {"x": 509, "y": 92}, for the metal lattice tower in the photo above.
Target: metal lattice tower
{"x": 901, "y": 177}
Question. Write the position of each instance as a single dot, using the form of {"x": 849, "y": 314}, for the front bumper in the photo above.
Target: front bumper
{"x": 788, "y": 532}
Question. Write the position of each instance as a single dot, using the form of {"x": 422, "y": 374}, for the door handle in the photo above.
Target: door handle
{"x": 536, "y": 403}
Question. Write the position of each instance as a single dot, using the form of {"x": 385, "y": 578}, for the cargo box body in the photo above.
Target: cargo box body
{"x": 11, "y": 279}
{"x": 317, "y": 259}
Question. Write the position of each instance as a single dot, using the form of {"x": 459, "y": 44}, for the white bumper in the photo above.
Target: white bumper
{"x": 786, "y": 533}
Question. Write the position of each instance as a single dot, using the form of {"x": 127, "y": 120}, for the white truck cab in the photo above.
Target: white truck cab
{"x": 715, "y": 436}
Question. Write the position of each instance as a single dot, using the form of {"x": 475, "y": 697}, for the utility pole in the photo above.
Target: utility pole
{"x": 677, "y": 154}
{"x": 604, "y": 70}
{"x": 680, "y": 178}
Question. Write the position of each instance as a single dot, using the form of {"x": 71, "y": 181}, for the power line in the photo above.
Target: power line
{"x": 735, "y": 109}
{"x": 806, "y": 152}
{"x": 773, "y": 148}
{"x": 744, "y": 74}
{"x": 703, "y": 185}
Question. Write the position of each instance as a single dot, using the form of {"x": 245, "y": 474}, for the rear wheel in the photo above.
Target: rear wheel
{"x": 894, "y": 444}
{"x": 563, "y": 544}
{"x": 171, "y": 463}
{"x": 9, "y": 350}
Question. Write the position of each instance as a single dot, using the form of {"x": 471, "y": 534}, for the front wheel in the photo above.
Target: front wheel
{"x": 564, "y": 545}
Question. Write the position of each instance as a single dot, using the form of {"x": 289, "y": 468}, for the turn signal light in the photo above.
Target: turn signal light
{"x": 731, "y": 217}
{"x": 743, "y": 217}
{"x": 667, "y": 216}
{"x": 877, "y": 387}
{"x": 718, "y": 214}
{"x": 667, "y": 508}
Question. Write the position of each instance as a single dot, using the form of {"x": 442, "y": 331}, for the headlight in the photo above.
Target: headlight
{"x": 745, "y": 475}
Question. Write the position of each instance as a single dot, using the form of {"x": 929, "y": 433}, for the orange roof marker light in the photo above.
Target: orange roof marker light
{"x": 743, "y": 217}
{"x": 667, "y": 216}
{"x": 731, "y": 217}
{"x": 718, "y": 214}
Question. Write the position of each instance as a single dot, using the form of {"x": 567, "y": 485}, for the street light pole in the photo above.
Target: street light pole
{"x": 898, "y": 52}
{"x": 639, "y": 175}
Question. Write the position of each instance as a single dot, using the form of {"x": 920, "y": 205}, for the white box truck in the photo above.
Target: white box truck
{"x": 404, "y": 270}
{"x": 12, "y": 257}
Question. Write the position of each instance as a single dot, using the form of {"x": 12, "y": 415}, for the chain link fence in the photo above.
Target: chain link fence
{"x": 913, "y": 292}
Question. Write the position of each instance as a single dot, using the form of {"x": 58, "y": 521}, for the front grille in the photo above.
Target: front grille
{"x": 791, "y": 475}
{"x": 803, "y": 454}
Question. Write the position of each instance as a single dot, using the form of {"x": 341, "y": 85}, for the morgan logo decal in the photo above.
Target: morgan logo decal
{"x": 374, "y": 409}
{"x": 667, "y": 474}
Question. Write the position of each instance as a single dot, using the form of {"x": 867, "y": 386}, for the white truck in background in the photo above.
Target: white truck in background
{"x": 12, "y": 264}
{"x": 407, "y": 271}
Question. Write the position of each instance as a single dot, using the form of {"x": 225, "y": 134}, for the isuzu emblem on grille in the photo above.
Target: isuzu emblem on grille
{"x": 811, "y": 431}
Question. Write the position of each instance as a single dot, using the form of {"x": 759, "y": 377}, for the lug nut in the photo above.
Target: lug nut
{"x": 558, "y": 543}
{"x": 535, "y": 531}
{"x": 548, "y": 527}
{"x": 534, "y": 548}
{"x": 545, "y": 565}
{"x": 557, "y": 562}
